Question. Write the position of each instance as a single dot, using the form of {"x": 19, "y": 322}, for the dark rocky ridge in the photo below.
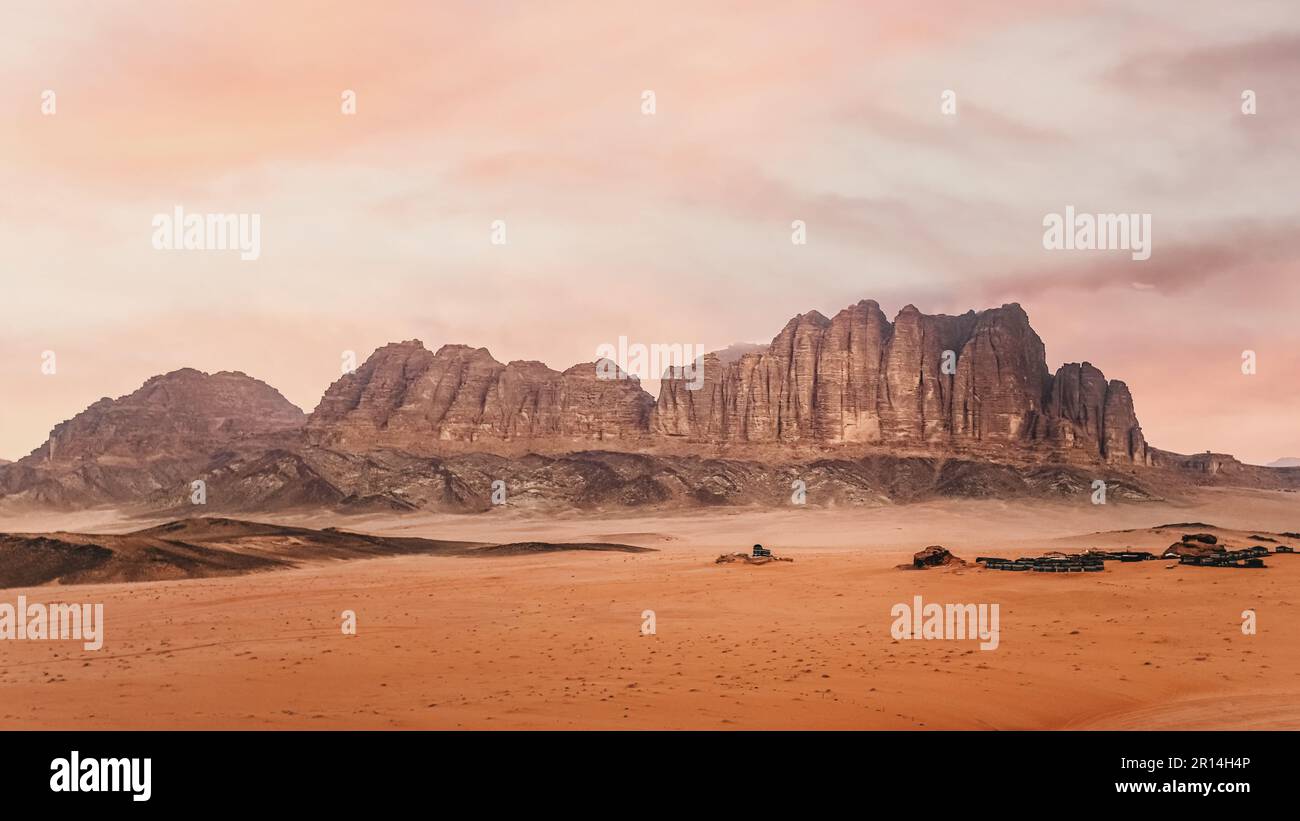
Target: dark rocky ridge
{"x": 601, "y": 480}
{"x": 205, "y": 546}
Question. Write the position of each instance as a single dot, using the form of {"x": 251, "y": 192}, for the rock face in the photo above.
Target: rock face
{"x": 1087, "y": 411}
{"x": 391, "y": 480}
{"x": 162, "y": 435}
{"x": 405, "y": 397}
{"x": 745, "y": 558}
{"x": 868, "y": 410}
{"x": 975, "y": 382}
{"x": 1192, "y": 548}
{"x": 185, "y": 412}
{"x": 933, "y": 556}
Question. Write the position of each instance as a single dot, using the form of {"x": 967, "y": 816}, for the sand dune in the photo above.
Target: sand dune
{"x": 555, "y": 640}
{"x": 203, "y": 547}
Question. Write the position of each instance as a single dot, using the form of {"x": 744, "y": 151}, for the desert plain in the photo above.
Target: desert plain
{"x": 556, "y": 641}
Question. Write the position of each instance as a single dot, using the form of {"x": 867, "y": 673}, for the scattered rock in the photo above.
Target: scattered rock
{"x": 933, "y": 556}
{"x": 745, "y": 558}
{"x": 1191, "y": 549}
{"x": 1120, "y": 555}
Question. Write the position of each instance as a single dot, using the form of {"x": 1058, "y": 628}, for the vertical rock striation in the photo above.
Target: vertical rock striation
{"x": 407, "y": 398}
{"x": 975, "y": 382}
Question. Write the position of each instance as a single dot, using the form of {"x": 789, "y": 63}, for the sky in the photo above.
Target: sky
{"x": 664, "y": 227}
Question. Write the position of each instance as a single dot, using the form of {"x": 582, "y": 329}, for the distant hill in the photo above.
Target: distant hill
{"x": 1286, "y": 462}
{"x": 734, "y": 351}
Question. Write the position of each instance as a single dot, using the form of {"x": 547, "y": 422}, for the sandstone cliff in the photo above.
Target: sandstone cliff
{"x": 865, "y": 408}
{"x": 407, "y": 398}
{"x": 975, "y": 382}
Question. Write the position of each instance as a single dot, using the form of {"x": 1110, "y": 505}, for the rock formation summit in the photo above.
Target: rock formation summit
{"x": 975, "y": 383}
{"x": 872, "y": 409}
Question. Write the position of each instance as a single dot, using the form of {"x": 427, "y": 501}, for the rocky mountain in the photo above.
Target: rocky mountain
{"x": 975, "y": 383}
{"x": 158, "y": 436}
{"x": 407, "y": 398}
{"x": 857, "y": 408}
{"x": 1285, "y": 462}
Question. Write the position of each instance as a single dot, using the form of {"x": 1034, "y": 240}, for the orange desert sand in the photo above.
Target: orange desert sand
{"x": 555, "y": 641}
